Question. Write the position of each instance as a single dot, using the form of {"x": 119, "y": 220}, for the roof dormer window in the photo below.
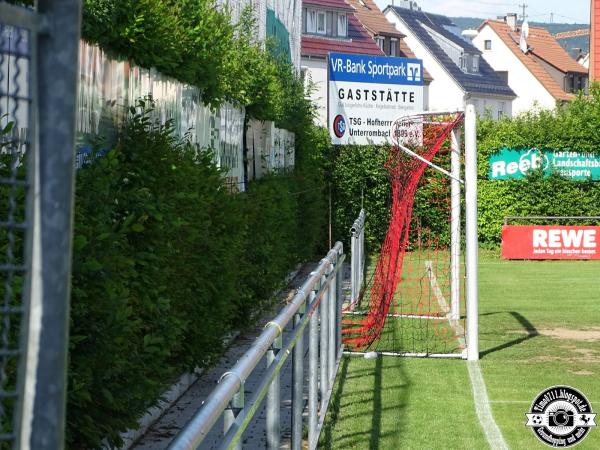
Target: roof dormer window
{"x": 316, "y": 21}
{"x": 475, "y": 64}
{"x": 321, "y": 28}
{"x": 325, "y": 22}
{"x": 342, "y": 25}
{"x": 311, "y": 21}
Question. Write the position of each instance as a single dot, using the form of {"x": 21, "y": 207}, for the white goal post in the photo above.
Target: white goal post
{"x": 471, "y": 233}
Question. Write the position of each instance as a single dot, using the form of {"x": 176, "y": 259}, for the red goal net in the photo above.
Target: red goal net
{"x": 404, "y": 305}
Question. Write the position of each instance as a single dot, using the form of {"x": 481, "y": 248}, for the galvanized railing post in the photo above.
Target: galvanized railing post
{"x": 324, "y": 341}
{"x": 361, "y": 251}
{"x": 313, "y": 375}
{"x": 339, "y": 301}
{"x": 273, "y": 398}
{"x": 331, "y": 307}
{"x": 235, "y": 406}
{"x": 357, "y": 242}
{"x": 353, "y": 267}
{"x": 298, "y": 383}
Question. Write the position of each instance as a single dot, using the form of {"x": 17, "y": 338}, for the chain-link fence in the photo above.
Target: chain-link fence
{"x": 38, "y": 58}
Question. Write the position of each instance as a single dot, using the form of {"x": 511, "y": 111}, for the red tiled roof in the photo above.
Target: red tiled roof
{"x": 544, "y": 47}
{"x": 337, "y": 4}
{"x": 373, "y": 19}
{"x": 358, "y": 41}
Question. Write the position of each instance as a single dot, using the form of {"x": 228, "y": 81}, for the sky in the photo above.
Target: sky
{"x": 565, "y": 11}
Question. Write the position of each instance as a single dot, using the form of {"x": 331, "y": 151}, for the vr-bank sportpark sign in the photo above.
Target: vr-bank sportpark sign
{"x": 367, "y": 94}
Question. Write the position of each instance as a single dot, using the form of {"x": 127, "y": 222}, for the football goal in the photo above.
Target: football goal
{"x": 413, "y": 302}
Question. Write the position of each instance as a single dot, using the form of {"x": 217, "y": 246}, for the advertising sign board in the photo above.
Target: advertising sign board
{"x": 368, "y": 93}
{"x": 507, "y": 164}
{"x": 550, "y": 242}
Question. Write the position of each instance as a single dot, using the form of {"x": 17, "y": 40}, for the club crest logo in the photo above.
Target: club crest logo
{"x": 561, "y": 417}
{"x": 339, "y": 126}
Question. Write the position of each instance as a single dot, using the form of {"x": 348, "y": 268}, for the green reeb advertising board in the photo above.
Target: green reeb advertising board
{"x": 511, "y": 164}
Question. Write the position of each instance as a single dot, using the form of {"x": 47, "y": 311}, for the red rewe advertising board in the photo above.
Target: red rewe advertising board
{"x": 550, "y": 242}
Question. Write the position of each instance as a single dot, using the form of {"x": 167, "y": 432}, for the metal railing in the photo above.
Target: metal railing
{"x": 316, "y": 305}
{"x": 357, "y": 247}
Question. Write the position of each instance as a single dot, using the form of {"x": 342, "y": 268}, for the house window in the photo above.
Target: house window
{"x": 501, "y": 110}
{"x": 463, "y": 62}
{"x": 569, "y": 83}
{"x": 475, "y": 64}
{"x": 311, "y": 21}
{"x": 342, "y": 25}
{"x": 394, "y": 47}
{"x": 321, "y": 29}
{"x": 487, "y": 44}
{"x": 380, "y": 42}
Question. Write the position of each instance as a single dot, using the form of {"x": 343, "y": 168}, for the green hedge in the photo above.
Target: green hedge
{"x": 360, "y": 178}
{"x": 195, "y": 42}
{"x": 574, "y": 126}
{"x": 167, "y": 261}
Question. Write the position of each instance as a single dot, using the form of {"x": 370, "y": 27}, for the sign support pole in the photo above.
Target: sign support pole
{"x": 471, "y": 232}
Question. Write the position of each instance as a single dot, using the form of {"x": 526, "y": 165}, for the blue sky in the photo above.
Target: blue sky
{"x": 565, "y": 11}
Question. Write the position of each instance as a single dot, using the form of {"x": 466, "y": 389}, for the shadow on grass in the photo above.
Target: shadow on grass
{"x": 367, "y": 405}
{"x": 527, "y": 326}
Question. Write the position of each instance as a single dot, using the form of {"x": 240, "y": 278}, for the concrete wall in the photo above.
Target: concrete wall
{"x": 530, "y": 92}
{"x": 316, "y": 75}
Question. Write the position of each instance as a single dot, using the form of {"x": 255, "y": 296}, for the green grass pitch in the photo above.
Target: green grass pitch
{"x": 539, "y": 326}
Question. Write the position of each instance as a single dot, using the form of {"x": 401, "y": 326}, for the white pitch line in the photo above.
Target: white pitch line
{"x": 482, "y": 407}
{"x": 455, "y": 324}
{"x": 482, "y": 403}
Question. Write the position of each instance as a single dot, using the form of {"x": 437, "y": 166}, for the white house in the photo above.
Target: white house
{"x": 456, "y": 66}
{"x": 542, "y": 75}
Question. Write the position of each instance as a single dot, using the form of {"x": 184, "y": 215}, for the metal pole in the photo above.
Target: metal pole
{"x": 298, "y": 385}
{"x": 273, "y": 400}
{"x": 339, "y": 303}
{"x": 324, "y": 339}
{"x": 471, "y": 232}
{"x": 354, "y": 267}
{"x": 332, "y": 307}
{"x": 455, "y": 227}
{"x": 313, "y": 376}
{"x": 54, "y": 83}
{"x": 361, "y": 251}
{"x": 235, "y": 406}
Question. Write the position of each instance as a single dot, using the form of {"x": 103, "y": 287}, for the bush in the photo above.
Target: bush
{"x": 570, "y": 127}
{"x": 166, "y": 261}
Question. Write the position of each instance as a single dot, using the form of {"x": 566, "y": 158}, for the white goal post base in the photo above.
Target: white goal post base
{"x": 462, "y": 355}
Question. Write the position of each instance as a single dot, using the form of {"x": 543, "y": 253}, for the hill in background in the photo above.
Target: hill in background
{"x": 582, "y": 42}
